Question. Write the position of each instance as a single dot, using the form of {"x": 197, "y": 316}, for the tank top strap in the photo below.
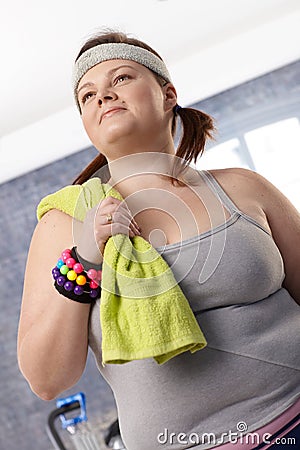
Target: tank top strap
{"x": 212, "y": 183}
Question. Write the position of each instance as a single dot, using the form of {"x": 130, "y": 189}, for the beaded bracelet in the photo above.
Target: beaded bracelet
{"x": 73, "y": 281}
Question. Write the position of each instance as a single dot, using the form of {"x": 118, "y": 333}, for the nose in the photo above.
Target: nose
{"x": 102, "y": 98}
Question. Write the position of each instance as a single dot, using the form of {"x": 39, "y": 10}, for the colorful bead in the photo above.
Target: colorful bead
{"x": 61, "y": 280}
{"x": 81, "y": 280}
{"x": 71, "y": 275}
{"x": 78, "y": 290}
{"x": 71, "y": 278}
{"x": 65, "y": 255}
{"x": 59, "y": 263}
{"x": 93, "y": 284}
{"x": 55, "y": 275}
{"x": 69, "y": 286}
{"x": 92, "y": 274}
{"x": 94, "y": 293}
{"x": 70, "y": 262}
{"x": 78, "y": 268}
{"x": 64, "y": 269}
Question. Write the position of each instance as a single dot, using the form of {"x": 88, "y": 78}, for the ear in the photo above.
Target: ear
{"x": 170, "y": 96}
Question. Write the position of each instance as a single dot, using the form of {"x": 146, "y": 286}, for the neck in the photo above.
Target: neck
{"x": 142, "y": 170}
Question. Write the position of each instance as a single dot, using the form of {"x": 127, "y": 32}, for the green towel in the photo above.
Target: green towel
{"x": 143, "y": 311}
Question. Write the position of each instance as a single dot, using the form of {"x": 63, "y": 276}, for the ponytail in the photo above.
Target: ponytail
{"x": 197, "y": 127}
{"x": 97, "y": 163}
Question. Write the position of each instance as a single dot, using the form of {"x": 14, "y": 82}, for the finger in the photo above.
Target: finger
{"x": 135, "y": 228}
{"x": 117, "y": 228}
{"x": 120, "y": 223}
{"x": 136, "y": 224}
{"x": 120, "y": 214}
{"x": 109, "y": 201}
{"x": 113, "y": 206}
{"x": 131, "y": 233}
{"x": 112, "y": 210}
{"x": 104, "y": 218}
{"x": 124, "y": 216}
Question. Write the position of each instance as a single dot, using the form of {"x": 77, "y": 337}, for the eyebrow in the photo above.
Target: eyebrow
{"x": 110, "y": 72}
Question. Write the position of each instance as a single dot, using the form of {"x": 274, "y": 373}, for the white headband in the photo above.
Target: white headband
{"x": 106, "y": 52}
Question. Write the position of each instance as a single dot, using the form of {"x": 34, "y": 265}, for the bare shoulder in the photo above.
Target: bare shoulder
{"x": 54, "y": 214}
{"x": 53, "y": 220}
{"x": 239, "y": 178}
{"x": 54, "y": 228}
{"x": 245, "y": 184}
{"x": 233, "y": 172}
{"x": 277, "y": 207}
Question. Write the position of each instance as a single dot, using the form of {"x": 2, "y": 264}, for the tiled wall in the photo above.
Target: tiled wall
{"x": 22, "y": 415}
{"x": 255, "y": 103}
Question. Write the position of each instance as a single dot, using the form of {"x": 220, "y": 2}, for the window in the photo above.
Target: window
{"x": 258, "y": 128}
{"x": 275, "y": 150}
{"x": 227, "y": 154}
{"x": 272, "y": 150}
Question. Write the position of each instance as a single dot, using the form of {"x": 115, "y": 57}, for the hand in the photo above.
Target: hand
{"x": 96, "y": 230}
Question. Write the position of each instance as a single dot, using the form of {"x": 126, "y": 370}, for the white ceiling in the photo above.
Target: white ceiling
{"x": 207, "y": 45}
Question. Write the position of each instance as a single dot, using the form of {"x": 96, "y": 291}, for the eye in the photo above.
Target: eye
{"x": 121, "y": 78}
{"x": 86, "y": 97}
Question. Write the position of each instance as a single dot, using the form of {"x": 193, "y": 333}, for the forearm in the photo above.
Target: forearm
{"x": 52, "y": 354}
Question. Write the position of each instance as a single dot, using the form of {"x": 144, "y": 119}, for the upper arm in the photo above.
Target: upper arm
{"x": 52, "y": 235}
{"x": 284, "y": 222}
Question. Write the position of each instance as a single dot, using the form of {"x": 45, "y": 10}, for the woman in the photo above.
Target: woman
{"x": 242, "y": 282}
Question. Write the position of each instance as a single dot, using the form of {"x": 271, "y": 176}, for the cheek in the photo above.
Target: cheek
{"x": 144, "y": 94}
{"x": 150, "y": 101}
{"x": 88, "y": 122}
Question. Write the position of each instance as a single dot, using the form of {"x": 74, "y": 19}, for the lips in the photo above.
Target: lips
{"x": 109, "y": 112}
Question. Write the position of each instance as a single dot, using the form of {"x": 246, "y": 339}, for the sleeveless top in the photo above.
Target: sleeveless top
{"x": 250, "y": 370}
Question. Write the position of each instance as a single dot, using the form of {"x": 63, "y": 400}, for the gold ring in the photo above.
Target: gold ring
{"x": 109, "y": 218}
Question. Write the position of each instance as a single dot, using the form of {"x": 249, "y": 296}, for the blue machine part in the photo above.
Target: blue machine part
{"x": 82, "y": 417}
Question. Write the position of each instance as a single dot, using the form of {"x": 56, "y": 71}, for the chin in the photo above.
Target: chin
{"x": 116, "y": 133}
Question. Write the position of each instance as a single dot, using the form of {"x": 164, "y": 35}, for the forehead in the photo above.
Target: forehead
{"x": 106, "y": 68}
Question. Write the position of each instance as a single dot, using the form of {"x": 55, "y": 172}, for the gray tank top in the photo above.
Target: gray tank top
{"x": 250, "y": 370}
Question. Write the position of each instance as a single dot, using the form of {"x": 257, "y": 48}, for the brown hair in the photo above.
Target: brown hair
{"x": 197, "y": 126}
